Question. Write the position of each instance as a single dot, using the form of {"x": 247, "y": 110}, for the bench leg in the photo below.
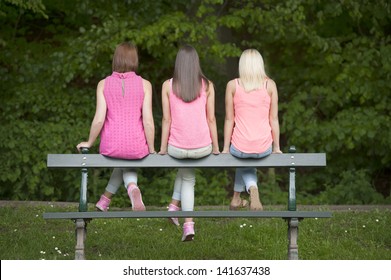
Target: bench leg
{"x": 293, "y": 231}
{"x": 81, "y": 234}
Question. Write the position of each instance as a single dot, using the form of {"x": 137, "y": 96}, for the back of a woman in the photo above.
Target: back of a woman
{"x": 124, "y": 121}
{"x": 188, "y": 127}
{"x": 123, "y": 135}
{"x": 251, "y": 128}
{"x": 251, "y": 136}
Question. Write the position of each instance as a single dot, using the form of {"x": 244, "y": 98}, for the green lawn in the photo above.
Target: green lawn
{"x": 348, "y": 235}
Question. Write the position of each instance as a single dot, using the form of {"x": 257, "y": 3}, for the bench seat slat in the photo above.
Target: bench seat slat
{"x": 183, "y": 214}
{"x": 222, "y": 160}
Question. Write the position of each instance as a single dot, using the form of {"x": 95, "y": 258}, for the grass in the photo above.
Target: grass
{"x": 348, "y": 235}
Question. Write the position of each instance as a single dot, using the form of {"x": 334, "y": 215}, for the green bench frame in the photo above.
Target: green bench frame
{"x": 289, "y": 160}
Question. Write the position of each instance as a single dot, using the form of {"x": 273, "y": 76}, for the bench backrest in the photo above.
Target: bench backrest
{"x": 155, "y": 160}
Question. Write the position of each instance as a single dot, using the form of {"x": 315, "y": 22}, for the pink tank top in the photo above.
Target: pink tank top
{"x": 252, "y": 132}
{"x": 189, "y": 126}
{"x": 123, "y": 134}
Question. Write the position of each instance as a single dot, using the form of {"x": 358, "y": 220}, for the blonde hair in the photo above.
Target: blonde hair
{"x": 251, "y": 70}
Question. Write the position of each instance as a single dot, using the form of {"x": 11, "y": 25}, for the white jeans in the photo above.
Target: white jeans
{"x": 185, "y": 178}
{"x": 119, "y": 175}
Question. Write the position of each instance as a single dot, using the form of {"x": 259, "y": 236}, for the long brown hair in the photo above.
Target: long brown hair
{"x": 188, "y": 76}
{"x": 125, "y": 58}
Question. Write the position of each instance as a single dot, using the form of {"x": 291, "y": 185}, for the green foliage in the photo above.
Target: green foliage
{"x": 353, "y": 188}
{"x": 271, "y": 192}
{"x": 210, "y": 187}
{"x": 331, "y": 61}
{"x": 35, "y": 6}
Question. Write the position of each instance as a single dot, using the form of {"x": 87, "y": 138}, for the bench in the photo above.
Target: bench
{"x": 289, "y": 160}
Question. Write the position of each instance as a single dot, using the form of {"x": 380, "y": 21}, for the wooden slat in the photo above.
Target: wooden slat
{"x": 222, "y": 160}
{"x": 183, "y": 214}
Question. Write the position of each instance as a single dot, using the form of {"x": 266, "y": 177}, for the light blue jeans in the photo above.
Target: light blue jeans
{"x": 185, "y": 178}
{"x": 119, "y": 175}
{"x": 247, "y": 176}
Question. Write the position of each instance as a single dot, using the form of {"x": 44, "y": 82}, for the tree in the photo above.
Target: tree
{"x": 331, "y": 61}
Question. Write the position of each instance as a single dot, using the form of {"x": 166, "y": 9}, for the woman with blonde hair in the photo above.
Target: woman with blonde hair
{"x": 188, "y": 127}
{"x": 251, "y": 128}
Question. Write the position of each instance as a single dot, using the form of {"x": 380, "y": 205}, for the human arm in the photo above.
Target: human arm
{"x": 149, "y": 126}
{"x": 229, "y": 115}
{"x": 210, "y": 116}
{"x": 273, "y": 116}
{"x": 99, "y": 118}
{"x": 166, "y": 120}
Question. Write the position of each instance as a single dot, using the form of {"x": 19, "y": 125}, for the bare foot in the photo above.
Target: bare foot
{"x": 237, "y": 203}
{"x": 255, "y": 203}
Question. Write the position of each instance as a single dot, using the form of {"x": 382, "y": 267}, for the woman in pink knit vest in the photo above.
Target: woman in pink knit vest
{"x": 251, "y": 128}
{"x": 188, "y": 127}
{"x": 124, "y": 121}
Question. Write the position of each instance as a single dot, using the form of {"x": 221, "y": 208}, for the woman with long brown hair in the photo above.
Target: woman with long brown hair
{"x": 188, "y": 127}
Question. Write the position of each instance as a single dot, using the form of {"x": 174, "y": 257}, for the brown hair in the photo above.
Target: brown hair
{"x": 188, "y": 76}
{"x": 125, "y": 58}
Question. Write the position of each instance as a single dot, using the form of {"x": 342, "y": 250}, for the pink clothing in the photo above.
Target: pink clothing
{"x": 189, "y": 125}
{"x": 123, "y": 134}
{"x": 252, "y": 132}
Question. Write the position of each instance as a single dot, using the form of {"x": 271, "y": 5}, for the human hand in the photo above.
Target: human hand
{"x": 83, "y": 145}
{"x": 277, "y": 151}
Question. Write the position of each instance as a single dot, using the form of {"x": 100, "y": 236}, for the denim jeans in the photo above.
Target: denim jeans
{"x": 247, "y": 176}
{"x": 185, "y": 178}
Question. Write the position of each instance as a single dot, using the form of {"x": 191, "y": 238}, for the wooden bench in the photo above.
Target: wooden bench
{"x": 85, "y": 161}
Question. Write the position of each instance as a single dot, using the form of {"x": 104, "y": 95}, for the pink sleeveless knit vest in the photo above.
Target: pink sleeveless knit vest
{"x": 123, "y": 134}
